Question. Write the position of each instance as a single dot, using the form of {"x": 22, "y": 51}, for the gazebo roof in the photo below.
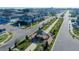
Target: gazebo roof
{"x": 43, "y": 35}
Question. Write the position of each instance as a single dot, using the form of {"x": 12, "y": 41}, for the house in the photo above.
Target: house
{"x": 14, "y": 20}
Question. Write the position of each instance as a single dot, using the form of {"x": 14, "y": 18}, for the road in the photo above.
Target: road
{"x": 64, "y": 41}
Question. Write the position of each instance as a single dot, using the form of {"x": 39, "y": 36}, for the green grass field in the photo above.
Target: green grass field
{"x": 22, "y": 45}
{"x": 3, "y": 37}
{"x": 76, "y": 31}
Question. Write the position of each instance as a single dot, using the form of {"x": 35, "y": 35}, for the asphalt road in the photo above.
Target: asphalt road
{"x": 64, "y": 41}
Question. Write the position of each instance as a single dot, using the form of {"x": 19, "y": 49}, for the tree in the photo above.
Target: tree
{"x": 15, "y": 44}
{"x": 54, "y": 32}
{"x": 26, "y": 37}
{"x": 46, "y": 46}
{"x": 10, "y": 49}
{"x": 40, "y": 28}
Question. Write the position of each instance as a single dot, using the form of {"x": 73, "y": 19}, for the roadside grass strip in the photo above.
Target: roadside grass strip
{"x": 23, "y": 44}
{"x": 55, "y": 30}
{"x": 5, "y": 37}
{"x": 76, "y": 31}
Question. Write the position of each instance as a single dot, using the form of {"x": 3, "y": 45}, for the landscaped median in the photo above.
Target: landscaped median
{"x": 76, "y": 31}
{"x": 54, "y": 30}
{"x": 5, "y": 37}
{"x": 22, "y": 45}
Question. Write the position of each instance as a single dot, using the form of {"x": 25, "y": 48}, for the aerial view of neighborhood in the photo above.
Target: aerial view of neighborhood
{"x": 39, "y": 29}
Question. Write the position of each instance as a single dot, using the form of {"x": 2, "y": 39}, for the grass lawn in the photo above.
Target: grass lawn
{"x": 47, "y": 25}
{"x": 23, "y": 44}
{"x": 10, "y": 36}
{"x": 39, "y": 47}
{"x": 3, "y": 37}
{"x": 55, "y": 29}
{"x": 76, "y": 31}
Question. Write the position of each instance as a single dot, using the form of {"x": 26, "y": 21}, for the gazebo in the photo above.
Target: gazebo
{"x": 42, "y": 35}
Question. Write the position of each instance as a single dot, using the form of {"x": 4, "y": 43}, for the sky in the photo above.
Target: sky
{"x": 40, "y": 3}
